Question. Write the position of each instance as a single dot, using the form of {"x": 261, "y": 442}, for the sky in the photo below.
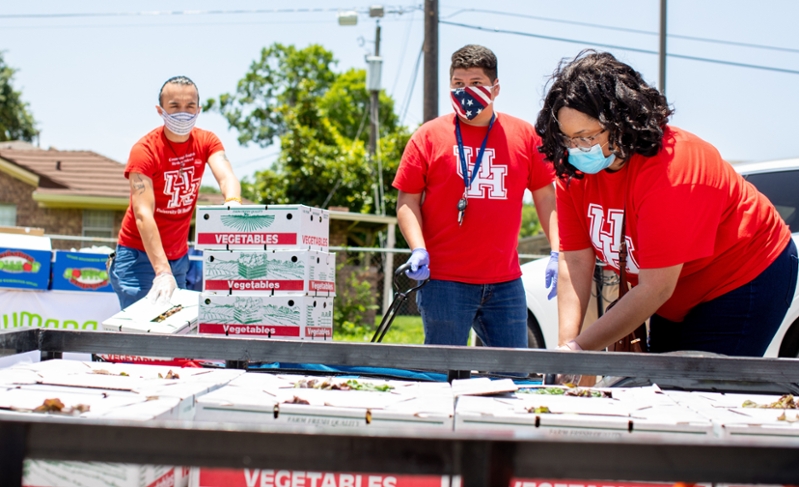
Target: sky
{"x": 92, "y": 80}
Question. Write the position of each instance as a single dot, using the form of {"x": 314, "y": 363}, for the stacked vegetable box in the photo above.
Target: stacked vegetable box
{"x": 266, "y": 272}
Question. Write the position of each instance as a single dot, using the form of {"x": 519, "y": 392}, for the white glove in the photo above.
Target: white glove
{"x": 232, "y": 203}
{"x": 163, "y": 287}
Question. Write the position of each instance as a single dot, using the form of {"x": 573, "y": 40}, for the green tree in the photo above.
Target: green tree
{"x": 319, "y": 117}
{"x": 16, "y": 122}
{"x": 530, "y": 223}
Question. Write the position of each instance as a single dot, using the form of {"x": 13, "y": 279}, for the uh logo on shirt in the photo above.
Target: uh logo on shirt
{"x": 605, "y": 229}
{"x": 181, "y": 187}
{"x": 490, "y": 180}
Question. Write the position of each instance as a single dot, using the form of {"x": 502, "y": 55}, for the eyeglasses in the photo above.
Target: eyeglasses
{"x": 582, "y": 143}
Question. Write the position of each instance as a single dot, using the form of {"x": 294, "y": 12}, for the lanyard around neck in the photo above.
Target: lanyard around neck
{"x": 467, "y": 181}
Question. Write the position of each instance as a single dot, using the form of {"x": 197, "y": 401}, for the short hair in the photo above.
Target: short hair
{"x": 474, "y": 56}
{"x": 178, "y": 80}
{"x": 613, "y": 93}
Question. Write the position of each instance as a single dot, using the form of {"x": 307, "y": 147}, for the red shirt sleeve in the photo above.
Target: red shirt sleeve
{"x": 541, "y": 173}
{"x": 571, "y": 223}
{"x": 212, "y": 144}
{"x": 141, "y": 160}
{"x": 412, "y": 171}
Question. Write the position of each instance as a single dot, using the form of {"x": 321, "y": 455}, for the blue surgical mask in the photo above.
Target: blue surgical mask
{"x": 591, "y": 161}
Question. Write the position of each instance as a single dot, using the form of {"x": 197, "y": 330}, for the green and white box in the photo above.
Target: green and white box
{"x": 261, "y": 227}
{"x": 284, "y": 317}
{"x": 310, "y": 272}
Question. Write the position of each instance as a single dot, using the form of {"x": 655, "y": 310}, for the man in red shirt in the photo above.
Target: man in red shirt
{"x": 461, "y": 183}
{"x": 165, "y": 170}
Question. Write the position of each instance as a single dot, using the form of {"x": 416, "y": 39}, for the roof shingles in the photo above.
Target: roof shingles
{"x": 78, "y": 173}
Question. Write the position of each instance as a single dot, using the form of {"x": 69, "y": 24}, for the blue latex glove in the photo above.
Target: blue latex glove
{"x": 419, "y": 261}
{"x": 552, "y": 275}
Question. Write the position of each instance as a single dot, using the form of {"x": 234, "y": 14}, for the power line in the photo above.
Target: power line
{"x": 404, "y": 49}
{"x": 625, "y": 29}
{"x": 150, "y": 13}
{"x": 409, "y": 93}
{"x": 623, "y": 48}
{"x": 256, "y": 159}
{"x": 170, "y": 25}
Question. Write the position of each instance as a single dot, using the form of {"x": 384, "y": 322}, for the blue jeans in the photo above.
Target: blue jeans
{"x": 741, "y": 323}
{"x": 131, "y": 274}
{"x": 497, "y": 312}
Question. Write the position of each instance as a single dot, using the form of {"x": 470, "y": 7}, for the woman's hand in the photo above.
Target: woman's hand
{"x": 655, "y": 287}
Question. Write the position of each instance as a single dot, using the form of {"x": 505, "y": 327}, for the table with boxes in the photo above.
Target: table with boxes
{"x": 267, "y": 272}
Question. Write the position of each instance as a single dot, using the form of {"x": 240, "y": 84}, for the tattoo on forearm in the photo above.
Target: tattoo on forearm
{"x": 138, "y": 184}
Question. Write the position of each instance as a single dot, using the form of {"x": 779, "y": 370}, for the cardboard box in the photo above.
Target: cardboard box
{"x": 281, "y": 317}
{"x": 731, "y": 418}
{"x": 24, "y": 262}
{"x": 308, "y": 272}
{"x": 217, "y": 477}
{"x": 80, "y": 271}
{"x": 639, "y": 411}
{"x": 276, "y": 400}
{"x": 259, "y": 227}
{"x": 178, "y": 317}
{"x": 47, "y": 473}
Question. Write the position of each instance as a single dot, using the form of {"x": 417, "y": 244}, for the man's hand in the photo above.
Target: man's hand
{"x": 551, "y": 275}
{"x": 163, "y": 287}
{"x": 419, "y": 261}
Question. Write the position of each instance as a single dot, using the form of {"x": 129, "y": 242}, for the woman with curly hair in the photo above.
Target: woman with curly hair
{"x": 708, "y": 256}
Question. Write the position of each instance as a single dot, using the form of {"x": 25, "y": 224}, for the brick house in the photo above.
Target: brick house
{"x": 78, "y": 193}
{"x": 75, "y": 193}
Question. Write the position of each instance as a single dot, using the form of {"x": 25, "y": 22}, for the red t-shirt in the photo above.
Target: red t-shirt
{"x": 177, "y": 171}
{"x": 685, "y": 206}
{"x": 483, "y": 249}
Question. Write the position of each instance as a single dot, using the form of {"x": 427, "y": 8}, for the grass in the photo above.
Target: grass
{"x": 404, "y": 329}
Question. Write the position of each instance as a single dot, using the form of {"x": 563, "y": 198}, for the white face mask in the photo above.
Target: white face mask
{"x": 179, "y": 123}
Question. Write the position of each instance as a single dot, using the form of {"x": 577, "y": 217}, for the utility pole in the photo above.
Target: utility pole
{"x": 662, "y": 50}
{"x": 373, "y": 84}
{"x": 430, "y": 109}
{"x": 374, "y": 100}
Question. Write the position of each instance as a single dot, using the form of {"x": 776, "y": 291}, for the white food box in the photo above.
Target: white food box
{"x": 310, "y": 272}
{"x": 732, "y": 419}
{"x": 640, "y": 411}
{"x": 112, "y": 387}
{"x": 49, "y": 473}
{"x": 281, "y": 317}
{"x": 482, "y": 386}
{"x": 274, "y": 400}
{"x": 144, "y": 316}
{"x": 260, "y": 227}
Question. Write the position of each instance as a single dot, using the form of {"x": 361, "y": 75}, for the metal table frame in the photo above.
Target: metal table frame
{"x": 483, "y": 459}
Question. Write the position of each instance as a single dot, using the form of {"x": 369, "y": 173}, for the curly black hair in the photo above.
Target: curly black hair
{"x": 604, "y": 88}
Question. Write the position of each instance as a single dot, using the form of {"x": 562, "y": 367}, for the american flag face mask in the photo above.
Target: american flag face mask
{"x": 470, "y": 101}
